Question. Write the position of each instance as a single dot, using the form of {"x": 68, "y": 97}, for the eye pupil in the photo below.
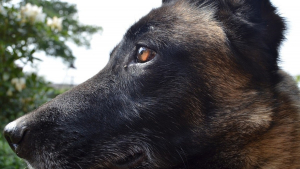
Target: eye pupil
{"x": 145, "y": 55}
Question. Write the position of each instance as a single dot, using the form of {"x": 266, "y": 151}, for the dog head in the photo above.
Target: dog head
{"x": 185, "y": 82}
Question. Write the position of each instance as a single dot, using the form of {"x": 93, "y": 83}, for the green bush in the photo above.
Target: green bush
{"x": 298, "y": 79}
{"x": 24, "y": 30}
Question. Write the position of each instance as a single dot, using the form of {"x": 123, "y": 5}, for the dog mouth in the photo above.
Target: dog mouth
{"x": 130, "y": 161}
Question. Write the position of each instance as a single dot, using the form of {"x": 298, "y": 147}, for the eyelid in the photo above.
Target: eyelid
{"x": 146, "y": 45}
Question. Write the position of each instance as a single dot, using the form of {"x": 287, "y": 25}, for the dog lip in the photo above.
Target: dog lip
{"x": 19, "y": 148}
{"x": 130, "y": 161}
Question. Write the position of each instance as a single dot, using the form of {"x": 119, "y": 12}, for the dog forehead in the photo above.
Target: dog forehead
{"x": 179, "y": 20}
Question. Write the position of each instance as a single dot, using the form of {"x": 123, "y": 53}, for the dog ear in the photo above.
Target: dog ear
{"x": 253, "y": 25}
{"x": 264, "y": 14}
{"x": 273, "y": 24}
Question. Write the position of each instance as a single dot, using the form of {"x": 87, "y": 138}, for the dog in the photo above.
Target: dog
{"x": 194, "y": 84}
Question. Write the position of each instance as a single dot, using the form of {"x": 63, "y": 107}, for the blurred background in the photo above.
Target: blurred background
{"x": 115, "y": 19}
{"x": 48, "y": 46}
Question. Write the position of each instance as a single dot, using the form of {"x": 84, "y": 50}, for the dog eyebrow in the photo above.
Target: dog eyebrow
{"x": 137, "y": 30}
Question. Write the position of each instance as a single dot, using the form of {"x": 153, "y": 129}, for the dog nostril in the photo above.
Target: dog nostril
{"x": 14, "y": 134}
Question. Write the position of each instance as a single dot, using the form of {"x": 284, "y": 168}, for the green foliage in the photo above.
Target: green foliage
{"x": 78, "y": 33}
{"x": 298, "y": 78}
{"x": 22, "y": 34}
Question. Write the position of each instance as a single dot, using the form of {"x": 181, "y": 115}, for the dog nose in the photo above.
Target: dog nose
{"x": 14, "y": 133}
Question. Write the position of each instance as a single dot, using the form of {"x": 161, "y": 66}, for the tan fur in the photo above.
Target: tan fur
{"x": 279, "y": 147}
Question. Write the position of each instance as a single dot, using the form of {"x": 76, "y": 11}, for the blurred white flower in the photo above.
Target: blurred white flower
{"x": 55, "y": 23}
{"x": 20, "y": 83}
{"x": 2, "y": 10}
{"x": 33, "y": 13}
{"x": 9, "y": 93}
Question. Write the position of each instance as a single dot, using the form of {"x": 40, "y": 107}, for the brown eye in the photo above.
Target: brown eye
{"x": 144, "y": 55}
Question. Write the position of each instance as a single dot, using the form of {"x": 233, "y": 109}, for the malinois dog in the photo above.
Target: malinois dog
{"x": 194, "y": 84}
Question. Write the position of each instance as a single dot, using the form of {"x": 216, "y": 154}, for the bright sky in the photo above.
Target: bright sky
{"x": 115, "y": 17}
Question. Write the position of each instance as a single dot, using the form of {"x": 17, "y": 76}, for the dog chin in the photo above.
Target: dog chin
{"x": 40, "y": 165}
